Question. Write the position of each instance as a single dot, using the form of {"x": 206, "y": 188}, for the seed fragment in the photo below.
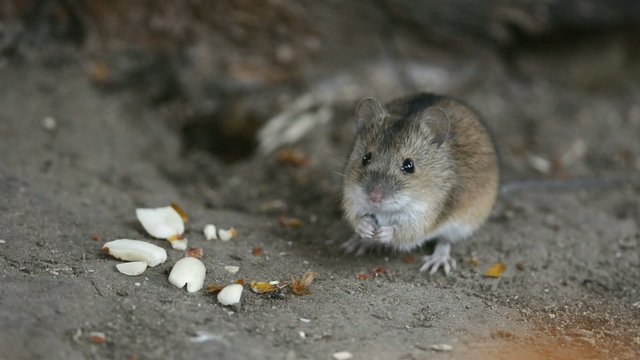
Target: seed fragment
{"x": 230, "y": 295}
{"x": 162, "y": 222}
{"x": 134, "y": 268}
{"x": 210, "y": 232}
{"x": 226, "y": 235}
{"x": 135, "y": 250}
{"x": 189, "y": 271}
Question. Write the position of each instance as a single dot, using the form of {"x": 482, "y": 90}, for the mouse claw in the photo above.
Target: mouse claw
{"x": 384, "y": 234}
{"x": 440, "y": 258}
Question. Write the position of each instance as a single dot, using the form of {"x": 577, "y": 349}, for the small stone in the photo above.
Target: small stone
{"x": 342, "y": 355}
{"x": 441, "y": 347}
{"x": 232, "y": 269}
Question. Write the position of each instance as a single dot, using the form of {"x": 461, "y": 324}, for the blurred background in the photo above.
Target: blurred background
{"x": 555, "y": 79}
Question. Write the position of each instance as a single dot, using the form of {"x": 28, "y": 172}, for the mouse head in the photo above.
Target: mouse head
{"x": 400, "y": 156}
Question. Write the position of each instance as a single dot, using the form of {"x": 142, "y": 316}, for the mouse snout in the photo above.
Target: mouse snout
{"x": 375, "y": 194}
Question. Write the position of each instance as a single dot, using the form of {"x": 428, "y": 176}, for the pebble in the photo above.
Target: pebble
{"x": 342, "y": 355}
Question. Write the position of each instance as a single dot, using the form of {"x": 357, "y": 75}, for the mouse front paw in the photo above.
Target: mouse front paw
{"x": 440, "y": 258}
{"x": 366, "y": 227}
{"x": 384, "y": 234}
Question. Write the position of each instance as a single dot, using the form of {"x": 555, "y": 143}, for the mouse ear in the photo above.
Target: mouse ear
{"x": 439, "y": 124}
{"x": 368, "y": 109}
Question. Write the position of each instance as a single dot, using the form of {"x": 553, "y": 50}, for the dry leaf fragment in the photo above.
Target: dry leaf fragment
{"x": 409, "y": 259}
{"x": 495, "y": 271}
{"x": 214, "y": 288}
{"x": 96, "y": 237}
{"x": 377, "y": 271}
{"x": 100, "y": 73}
{"x": 362, "y": 276}
{"x": 293, "y": 158}
{"x": 197, "y": 253}
{"x": 257, "y": 251}
{"x": 240, "y": 281}
{"x": 180, "y": 212}
{"x": 97, "y": 338}
{"x": 300, "y": 287}
{"x": 289, "y": 222}
{"x": 474, "y": 261}
{"x": 262, "y": 287}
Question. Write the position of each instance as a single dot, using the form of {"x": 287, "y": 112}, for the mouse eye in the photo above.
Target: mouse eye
{"x": 407, "y": 166}
{"x": 366, "y": 159}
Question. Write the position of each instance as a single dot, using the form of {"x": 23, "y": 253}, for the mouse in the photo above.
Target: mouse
{"x": 421, "y": 168}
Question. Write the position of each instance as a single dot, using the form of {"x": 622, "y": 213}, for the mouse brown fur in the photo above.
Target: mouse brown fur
{"x": 421, "y": 168}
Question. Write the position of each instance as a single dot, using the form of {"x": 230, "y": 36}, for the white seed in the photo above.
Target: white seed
{"x": 134, "y": 268}
{"x": 342, "y": 355}
{"x": 189, "y": 271}
{"x": 162, "y": 222}
{"x": 226, "y": 235}
{"x": 232, "y": 269}
{"x": 210, "y": 232}
{"x": 305, "y": 320}
{"x": 135, "y": 250}
{"x": 179, "y": 244}
{"x": 441, "y": 347}
{"x": 230, "y": 294}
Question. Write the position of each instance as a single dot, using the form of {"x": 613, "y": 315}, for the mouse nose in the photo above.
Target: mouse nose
{"x": 375, "y": 194}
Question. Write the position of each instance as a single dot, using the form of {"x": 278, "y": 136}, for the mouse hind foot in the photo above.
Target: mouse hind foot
{"x": 441, "y": 257}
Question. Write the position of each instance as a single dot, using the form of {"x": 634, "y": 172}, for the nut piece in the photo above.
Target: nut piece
{"x": 161, "y": 223}
{"x": 135, "y": 250}
{"x": 226, "y": 235}
{"x": 178, "y": 243}
{"x": 230, "y": 294}
{"x": 189, "y": 271}
{"x": 134, "y": 268}
{"x": 210, "y": 232}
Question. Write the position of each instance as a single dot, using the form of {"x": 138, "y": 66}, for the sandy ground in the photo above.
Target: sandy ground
{"x": 571, "y": 288}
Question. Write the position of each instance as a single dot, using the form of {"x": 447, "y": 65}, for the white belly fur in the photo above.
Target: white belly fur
{"x": 452, "y": 231}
